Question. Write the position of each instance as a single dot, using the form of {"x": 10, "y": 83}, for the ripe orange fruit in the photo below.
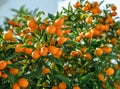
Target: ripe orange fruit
{"x": 43, "y": 51}
{"x": 62, "y": 85}
{"x": 116, "y": 85}
{"x": 66, "y": 31}
{"x": 11, "y": 22}
{"x": 61, "y": 40}
{"x": 23, "y": 82}
{"x": 58, "y": 53}
{"x": 88, "y": 5}
{"x": 3, "y": 64}
{"x": 118, "y": 32}
{"x": 106, "y": 27}
{"x": 15, "y": 86}
{"x": 33, "y": 29}
{"x": 13, "y": 71}
{"x": 0, "y": 73}
{"x": 42, "y": 27}
{"x": 51, "y": 29}
{"x": 117, "y": 67}
{"x": 77, "y": 5}
{"x": 110, "y": 71}
{"x": 72, "y": 54}
{"x": 114, "y": 13}
{"x": 109, "y": 20}
{"x": 52, "y": 49}
{"x": 28, "y": 50}
{"x": 84, "y": 49}
{"x": 59, "y": 32}
{"x": 95, "y": 32}
{"x": 45, "y": 70}
{"x": 100, "y": 27}
{"x": 36, "y": 54}
{"x": 55, "y": 87}
{"x": 78, "y": 38}
{"x": 98, "y": 51}
{"x": 113, "y": 8}
{"x": 79, "y": 53}
{"x": 4, "y": 75}
{"x": 76, "y": 87}
{"x": 85, "y": 8}
{"x": 95, "y": 4}
{"x": 107, "y": 49}
{"x": 101, "y": 77}
{"x": 89, "y": 35}
{"x": 82, "y": 35}
{"x": 19, "y": 48}
{"x": 95, "y": 10}
{"x": 31, "y": 23}
{"x": 8, "y": 35}
{"x": 113, "y": 41}
{"x": 87, "y": 56}
{"x": 89, "y": 19}
{"x": 101, "y": 20}
{"x": 59, "y": 22}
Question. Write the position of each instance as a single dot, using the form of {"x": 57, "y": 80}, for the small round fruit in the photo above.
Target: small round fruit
{"x": 19, "y": 48}
{"x": 98, "y": 51}
{"x": 23, "y": 82}
{"x": 101, "y": 77}
{"x": 110, "y": 71}
{"x": 62, "y": 85}
{"x": 76, "y": 87}
{"x": 51, "y": 29}
{"x": 3, "y": 64}
{"x": 55, "y": 87}
{"x": 36, "y": 54}
{"x": 15, "y": 86}
{"x": 13, "y": 71}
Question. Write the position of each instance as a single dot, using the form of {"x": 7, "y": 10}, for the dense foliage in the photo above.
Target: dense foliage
{"x": 77, "y": 48}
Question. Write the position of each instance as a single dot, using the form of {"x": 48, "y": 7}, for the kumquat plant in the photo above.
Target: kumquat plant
{"x": 77, "y": 48}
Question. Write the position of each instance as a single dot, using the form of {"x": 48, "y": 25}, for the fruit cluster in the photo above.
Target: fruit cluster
{"x": 78, "y": 48}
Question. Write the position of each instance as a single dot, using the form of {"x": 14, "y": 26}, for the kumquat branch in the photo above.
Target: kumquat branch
{"x": 77, "y": 48}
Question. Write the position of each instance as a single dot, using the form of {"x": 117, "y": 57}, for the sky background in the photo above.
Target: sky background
{"x": 49, "y": 6}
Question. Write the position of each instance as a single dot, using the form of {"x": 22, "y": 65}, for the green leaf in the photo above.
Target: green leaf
{"x": 10, "y": 76}
{"x": 14, "y": 10}
{"x": 28, "y": 46}
{"x": 57, "y": 61}
{"x": 64, "y": 9}
{"x": 64, "y": 79}
{"x": 70, "y": 42}
{"x": 51, "y": 16}
{"x": 18, "y": 38}
{"x": 70, "y": 8}
{"x": 101, "y": 2}
{"x": 34, "y": 12}
{"x": 86, "y": 78}
{"x": 5, "y": 86}
{"x": 40, "y": 13}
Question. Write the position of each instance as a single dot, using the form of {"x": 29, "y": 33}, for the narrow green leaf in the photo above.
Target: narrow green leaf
{"x": 10, "y": 76}
{"x": 86, "y": 78}
{"x": 64, "y": 79}
{"x": 40, "y": 13}
{"x": 28, "y": 46}
{"x": 14, "y": 10}
{"x": 5, "y": 86}
{"x": 51, "y": 16}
